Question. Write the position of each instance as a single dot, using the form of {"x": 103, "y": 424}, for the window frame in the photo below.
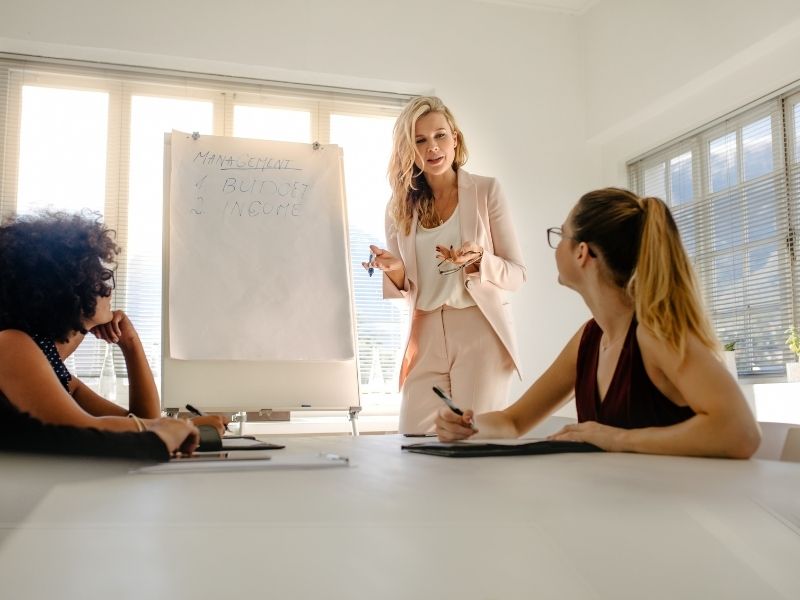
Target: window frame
{"x": 704, "y": 253}
{"x": 122, "y": 83}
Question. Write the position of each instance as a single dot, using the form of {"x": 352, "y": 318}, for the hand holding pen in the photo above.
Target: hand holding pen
{"x": 382, "y": 260}
{"x": 453, "y": 423}
{"x": 217, "y": 421}
{"x": 370, "y": 270}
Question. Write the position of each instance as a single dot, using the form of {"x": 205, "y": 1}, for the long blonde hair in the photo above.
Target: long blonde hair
{"x": 410, "y": 189}
{"x": 642, "y": 250}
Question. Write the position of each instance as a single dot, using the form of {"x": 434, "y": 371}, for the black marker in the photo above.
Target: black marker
{"x": 195, "y": 411}
{"x": 199, "y": 413}
{"x": 450, "y": 404}
{"x": 370, "y": 269}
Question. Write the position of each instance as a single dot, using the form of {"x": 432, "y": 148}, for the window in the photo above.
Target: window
{"x": 78, "y": 137}
{"x": 381, "y": 325}
{"x": 733, "y": 188}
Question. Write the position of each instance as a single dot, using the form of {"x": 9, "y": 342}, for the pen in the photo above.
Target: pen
{"x": 370, "y": 270}
{"x": 195, "y": 411}
{"x": 450, "y": 404}
{"x": 199, "y": 413}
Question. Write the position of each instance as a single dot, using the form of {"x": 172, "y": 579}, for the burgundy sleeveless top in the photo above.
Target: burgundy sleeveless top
{"x": 632, "y": 400}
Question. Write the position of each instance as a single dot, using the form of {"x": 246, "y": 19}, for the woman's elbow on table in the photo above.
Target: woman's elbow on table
{"x": 746, "y": 441}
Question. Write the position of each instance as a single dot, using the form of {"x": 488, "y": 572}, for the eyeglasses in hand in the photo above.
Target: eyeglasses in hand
{"x": 454, "y": 268}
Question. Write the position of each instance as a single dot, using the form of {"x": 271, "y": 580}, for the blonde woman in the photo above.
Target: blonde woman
{"x": 645, "y": 370}
{"x": 452, "y": 254}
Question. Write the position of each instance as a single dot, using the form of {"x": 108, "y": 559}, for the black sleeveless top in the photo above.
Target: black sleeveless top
{"x": 48, "y": 346}
{"x": 632, "y": 400}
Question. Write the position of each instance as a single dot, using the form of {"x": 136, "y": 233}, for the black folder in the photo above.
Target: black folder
{"x": 467, "y": 450}
{"x": 211, "y": 441}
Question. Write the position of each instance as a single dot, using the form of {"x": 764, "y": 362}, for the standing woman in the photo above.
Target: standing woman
{"x": 452, "y": 253}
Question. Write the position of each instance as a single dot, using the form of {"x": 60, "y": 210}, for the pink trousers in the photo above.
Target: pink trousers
{"x": 456, "y": 349}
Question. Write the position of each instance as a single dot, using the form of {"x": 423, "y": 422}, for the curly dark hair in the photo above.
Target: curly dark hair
{"x": 53, "y": 267}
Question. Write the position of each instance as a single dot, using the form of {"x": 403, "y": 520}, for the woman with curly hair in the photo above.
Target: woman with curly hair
{"x": 452, "y": 254}
{"x": 56, "y": 285}
{"x": 645, "y": 370}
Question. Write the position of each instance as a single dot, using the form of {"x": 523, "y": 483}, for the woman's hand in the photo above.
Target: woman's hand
{"x": 469, "y": 251}
{"x": 603, "y": 436}
{"x": 384, "y": 261}
{"x": 451, "y": 427}
{"x": 177, "y": 434}
{"x": 119, "y": 330}
{"x": 218, "y": 422}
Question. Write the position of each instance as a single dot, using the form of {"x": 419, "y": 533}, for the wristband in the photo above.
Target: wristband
{"x": 140, "y": 426}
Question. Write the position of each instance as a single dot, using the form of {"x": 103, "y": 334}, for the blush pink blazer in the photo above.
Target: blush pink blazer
{"x": 486, "y": 220}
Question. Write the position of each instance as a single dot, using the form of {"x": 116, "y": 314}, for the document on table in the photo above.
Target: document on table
{"x": 500, "y": 441}
{"x": 502, "y": 447}
{"x": 241, "y": 443}
{"x": 244, "y": 461}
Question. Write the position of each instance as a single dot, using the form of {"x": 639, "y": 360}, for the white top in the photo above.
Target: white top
{"x": 436, "y": 289}
{"x": 595, "y": 526}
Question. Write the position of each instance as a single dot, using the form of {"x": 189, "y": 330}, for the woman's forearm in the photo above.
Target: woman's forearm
{"x": 495, "y": 425}
{"x": 702, "y": 435}
{"x": 143, "y": 399}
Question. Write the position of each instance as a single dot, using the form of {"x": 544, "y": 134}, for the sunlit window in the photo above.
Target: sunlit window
{"x": 88, "y": 141}
{"x": 381, "y": 324}
{"x": 62, "y": 151}
{"x": 62, "y": 166}
{"x": 278, "y": 124}
{"x": 151, "y": 117}
{"x": 732, "y": 200}
{"x": 655, "y": 181}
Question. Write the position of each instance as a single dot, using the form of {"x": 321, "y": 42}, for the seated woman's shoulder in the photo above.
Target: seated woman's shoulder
{"x": 15, "y": 340}
{"x": 645, "y": 335}
{"x": 654, "y": 347}
{"x": 649, "y": 343}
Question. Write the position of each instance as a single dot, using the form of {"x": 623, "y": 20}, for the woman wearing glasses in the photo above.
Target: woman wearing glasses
{"x": 55, "y": 288}
{"x": 645, "y": 370}
{"x": 452, "y": 254}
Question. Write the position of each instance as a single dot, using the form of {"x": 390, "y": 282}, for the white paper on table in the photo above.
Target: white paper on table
{"x": 244, "y": 462}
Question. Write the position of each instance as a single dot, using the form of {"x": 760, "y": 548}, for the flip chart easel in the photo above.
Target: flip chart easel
{"x": 257, "y": 312}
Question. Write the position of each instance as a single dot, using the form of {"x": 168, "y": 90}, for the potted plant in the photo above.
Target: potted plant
{"x": 729, "y": 357}
{"x": 793, "y": 341}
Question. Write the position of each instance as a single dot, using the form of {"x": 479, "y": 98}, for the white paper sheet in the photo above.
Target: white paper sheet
{"x": 258, "y": 263}
{"x": 205, "y": 464}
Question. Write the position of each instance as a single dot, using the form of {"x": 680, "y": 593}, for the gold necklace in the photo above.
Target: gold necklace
{"x": 612, "y": 342}
{"x": 436, "y": 212}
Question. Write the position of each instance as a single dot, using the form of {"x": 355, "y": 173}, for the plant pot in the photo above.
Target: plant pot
{"x": 793, "y": 371}
{"x": 729, "y": 357}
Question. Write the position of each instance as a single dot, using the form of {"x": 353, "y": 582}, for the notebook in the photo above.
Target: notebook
{"x": 468, "y": 449}
{"x": 210, "y": 441}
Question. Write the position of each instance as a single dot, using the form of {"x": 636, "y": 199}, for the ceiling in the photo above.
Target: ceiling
{"x": 572, "y": 7}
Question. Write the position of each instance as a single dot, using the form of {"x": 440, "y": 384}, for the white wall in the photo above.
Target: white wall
{"x": 513, "y": 77}
{"x": 656, "y": 69}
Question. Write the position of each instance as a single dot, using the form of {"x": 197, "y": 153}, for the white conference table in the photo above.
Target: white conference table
{"x": 399, "y": 525}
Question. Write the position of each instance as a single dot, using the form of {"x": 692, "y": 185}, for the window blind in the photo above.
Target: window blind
{"x": 733, "y": 190}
